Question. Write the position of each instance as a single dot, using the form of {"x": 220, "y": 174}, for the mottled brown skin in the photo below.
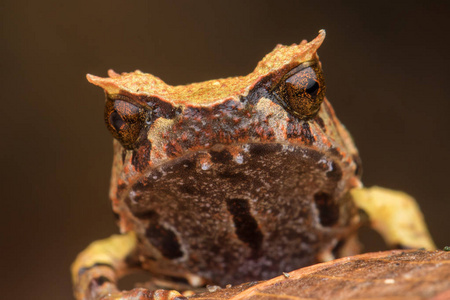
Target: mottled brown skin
{"x": 229, "y": 180}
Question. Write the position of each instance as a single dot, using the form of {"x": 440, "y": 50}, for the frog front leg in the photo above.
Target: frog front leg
{"x": 395, "y": 215}
{"x": 97, "y": 269}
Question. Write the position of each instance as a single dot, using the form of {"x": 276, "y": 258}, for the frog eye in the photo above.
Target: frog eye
{"x": 125, "y": 121}
{"x": 302, "y": 90}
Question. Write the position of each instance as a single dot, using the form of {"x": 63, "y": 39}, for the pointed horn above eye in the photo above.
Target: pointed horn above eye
{"x": 112, "y": 74}
{"x": 309, "y": 50}
{"x": 315, "y": 43}
{"x": 321, "y": 36}
{"x": 290, "y": 55}
{"x": 107, "y": 84}
{"x": 99, "y": 81}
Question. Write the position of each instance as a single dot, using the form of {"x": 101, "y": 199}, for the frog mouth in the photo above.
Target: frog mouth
{"x": 220, "y": 199}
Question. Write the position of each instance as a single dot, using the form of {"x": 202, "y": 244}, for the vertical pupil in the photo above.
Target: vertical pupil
{"x": 116, "y": 121}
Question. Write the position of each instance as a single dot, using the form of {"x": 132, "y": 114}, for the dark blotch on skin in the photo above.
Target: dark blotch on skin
{"x": 264, "y": 149}
{"x": 165, "y": 241}
{"x": 121, "y": 187}
{"x": 333, "y": 151}
{"x": 141, "y": 156}
{"x": 303, "y": 131}
{"x": 259, "y": 91}
{"x": 319, "y": 121}
{"x": 247, "y": 228}
{"x": 306, "y": 134}
{"x": 220, "y": 156}
{"x": 232, "y": 177}
{"x": 139, "y": 187}
{"x": 358, "y": 169}
{"x": 336, "y": 173}
{"x": 148, "y": 215}
{"x": 188, "y": 189}
{"x": 171, "y": 151}
{"x": 159, "y": 107}
{"x": 124, "y": 154}
{"x": 187, "y": 164}
{"x": 328, "y": 209}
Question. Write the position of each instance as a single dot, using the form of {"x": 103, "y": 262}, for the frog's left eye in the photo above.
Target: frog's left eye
{"x": 302, "y": 90}
{"x": 125, "y": 121}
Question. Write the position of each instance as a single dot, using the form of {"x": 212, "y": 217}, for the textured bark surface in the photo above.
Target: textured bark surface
{"x": 397, "y": 274}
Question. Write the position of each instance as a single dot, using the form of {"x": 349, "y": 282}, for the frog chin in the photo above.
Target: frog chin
{"x": 218, "y": 202}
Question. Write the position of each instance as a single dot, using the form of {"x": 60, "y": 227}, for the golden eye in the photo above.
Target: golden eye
{"x": 125, "y": 120}
{"x": 302, "y": 90}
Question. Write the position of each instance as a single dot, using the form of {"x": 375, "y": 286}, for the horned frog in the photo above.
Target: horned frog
{"x": 233, "y": 180}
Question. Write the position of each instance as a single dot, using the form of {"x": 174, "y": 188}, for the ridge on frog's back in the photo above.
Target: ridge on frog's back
{"x": 231, "y": 180}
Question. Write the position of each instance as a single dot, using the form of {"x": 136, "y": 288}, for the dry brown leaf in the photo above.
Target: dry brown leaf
{"x": 393, "y": 275}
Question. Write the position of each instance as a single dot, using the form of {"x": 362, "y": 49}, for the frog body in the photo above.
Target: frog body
{"x": 229, "y": 180}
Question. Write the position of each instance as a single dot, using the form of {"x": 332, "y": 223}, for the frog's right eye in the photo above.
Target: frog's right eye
{"x": 125, "y": 121}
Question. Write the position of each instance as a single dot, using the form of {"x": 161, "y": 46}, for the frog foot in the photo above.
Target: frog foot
{"x": 144, "y": 294}
{"x": 395, "y": 215}
{"x": 97, "y": 269}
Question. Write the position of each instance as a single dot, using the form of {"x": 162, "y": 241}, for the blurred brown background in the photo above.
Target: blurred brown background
{"x": 387, "y": 72}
